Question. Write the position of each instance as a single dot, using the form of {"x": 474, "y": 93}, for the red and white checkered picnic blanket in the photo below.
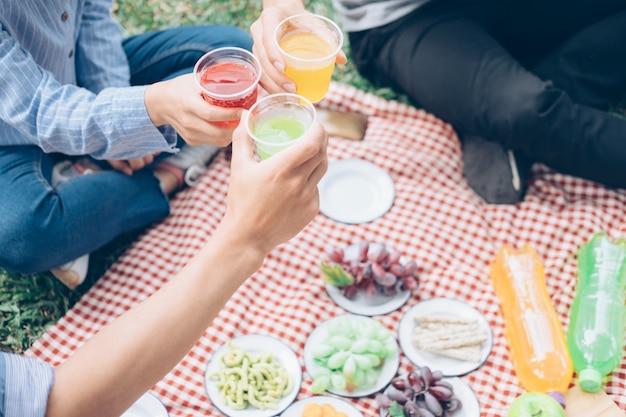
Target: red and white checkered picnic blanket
{"x": 436, "y": 220}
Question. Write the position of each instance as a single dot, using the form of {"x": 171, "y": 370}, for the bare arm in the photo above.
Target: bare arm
{"x": 107, "y": 374}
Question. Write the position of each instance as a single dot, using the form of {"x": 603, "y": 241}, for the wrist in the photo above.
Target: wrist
{"x": 152, "y": 101}
{"x": 242, "y": 248}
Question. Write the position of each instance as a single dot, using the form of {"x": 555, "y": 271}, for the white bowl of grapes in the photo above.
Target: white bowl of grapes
{"x": 427, "y": 393}
{"x": 369, "y": 278}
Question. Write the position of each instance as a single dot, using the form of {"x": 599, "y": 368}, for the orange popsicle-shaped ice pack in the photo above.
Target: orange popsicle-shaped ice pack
{"x": 533, "y": 330}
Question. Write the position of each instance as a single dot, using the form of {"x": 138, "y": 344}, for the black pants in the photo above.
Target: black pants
{"x": 533, "y": 75}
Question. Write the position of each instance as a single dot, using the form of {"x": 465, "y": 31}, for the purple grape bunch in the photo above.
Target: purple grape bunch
{"x": 376, "y": 269}
{"x": 419, "y": 393}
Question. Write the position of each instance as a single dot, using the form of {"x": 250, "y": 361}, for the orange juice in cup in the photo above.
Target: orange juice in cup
{"x": 309, "y": 43}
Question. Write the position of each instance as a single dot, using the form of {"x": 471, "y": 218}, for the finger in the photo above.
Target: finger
{"x": 243, "y": 145}
{"x": 121, "y": 166}
{"x": 271, "y": 78}
{"x": 272, "y": 51}
{"x": 314, "y": 169}
{"x": 319, "y": 171}
{"x": 139, "y": 163}
{"x": 341, "y": 59}
{"x": 135, "y": 164}
{"x": 305, "y": 153}
{"x": 314, "y": 203}
{"x": 310, "y": 148}
{"x": 213, "y": 113}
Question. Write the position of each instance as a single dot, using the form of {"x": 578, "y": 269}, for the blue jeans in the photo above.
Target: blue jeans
{"x": 42, "y": 227}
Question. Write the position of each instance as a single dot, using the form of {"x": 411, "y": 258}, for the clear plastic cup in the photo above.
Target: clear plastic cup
{"x": 277, "y": 121}
{"x": 228, "y": 77}
{"x": 309, "y": 44}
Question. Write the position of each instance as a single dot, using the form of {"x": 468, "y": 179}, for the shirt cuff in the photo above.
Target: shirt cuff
{"x": 3, "y": 381}
{"x": 27, "y": 386}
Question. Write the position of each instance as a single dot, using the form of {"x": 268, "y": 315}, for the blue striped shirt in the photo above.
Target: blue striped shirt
{"x": 64, "y": 82}
{"x": 25, "y": 384}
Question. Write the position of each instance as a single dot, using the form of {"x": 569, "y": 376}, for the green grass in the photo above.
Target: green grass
{"x": 31, "y": 303}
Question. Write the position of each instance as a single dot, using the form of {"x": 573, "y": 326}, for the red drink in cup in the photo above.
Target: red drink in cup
{"x": 228, "y": 77}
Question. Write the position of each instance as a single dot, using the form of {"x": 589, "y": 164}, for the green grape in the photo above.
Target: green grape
{"x": 362, "y": 361}
{"x": 338, "y": 381}
{"x": 339, "y": 342}
{"x": 358, "y": 378}
{"x": 371, "y": 376}
{"x": 375, "y": 360}
{"x": 341, "y": 326}
{"x": 352, "y": 354}
{"x": 322, "y": 350}
{"x": 321, "y": 384}
{"x": 390, "y": 348}
{"x": 349, "y": 367}
{"x": 320, "y": 372}
{"x": 360, "y": 346}
{"x": 337, "y": 360}
{"x": 382, "y": 333}
{"x": 376, "y": 347}
{"x": 365, "y": 330}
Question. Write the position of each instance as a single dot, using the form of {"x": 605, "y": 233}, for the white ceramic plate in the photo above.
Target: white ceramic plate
{"x": 361, "y": 303}
{"x": 448, "y": 366}
{"x": 256, "y": 344}
{"x": 355, "y": 191}
{"x": 464, "y": 393}
{"x": 388, "y": 371}
{"x": 146, "y": 406}
{"x": 469, "y": 403}
{"x": 296, "y": 409}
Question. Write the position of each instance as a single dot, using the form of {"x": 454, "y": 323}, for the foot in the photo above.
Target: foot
{"x": 73, "y": 273}
{"x": 497, "y": 175}
{"x": 189, "y": 163}
{"x": 66, "y": 170}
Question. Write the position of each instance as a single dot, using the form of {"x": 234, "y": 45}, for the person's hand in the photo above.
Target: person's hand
{"x": 273, "y": 78}
{"x": 270, "y": 201}
{"x": 178, "y": 102}
{"x": 131, "y": 165}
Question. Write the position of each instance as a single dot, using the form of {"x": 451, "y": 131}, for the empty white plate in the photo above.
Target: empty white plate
{"x": 355, "y": 191}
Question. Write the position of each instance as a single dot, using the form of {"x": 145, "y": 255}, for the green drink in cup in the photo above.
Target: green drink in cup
{"x": 278, "y": 120}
